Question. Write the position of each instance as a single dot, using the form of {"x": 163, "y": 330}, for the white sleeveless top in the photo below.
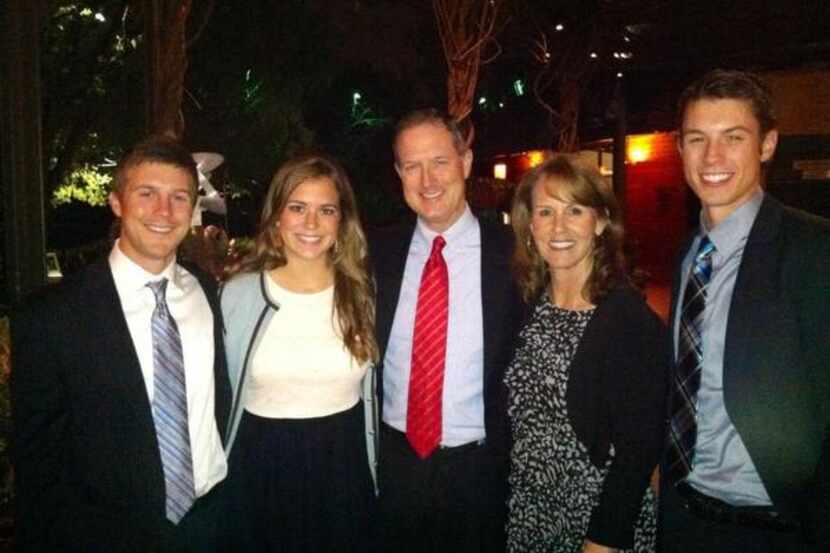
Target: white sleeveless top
{"x": 301, "y": 369}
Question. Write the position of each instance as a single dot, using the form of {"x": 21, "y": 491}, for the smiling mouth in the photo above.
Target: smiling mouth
{"x": 160, "y": 229}
{"x": 305, "y": 239}
{"x": 560, "y": 244}
{"x": 432, "y": 195}
{"x": 715, "y": 178}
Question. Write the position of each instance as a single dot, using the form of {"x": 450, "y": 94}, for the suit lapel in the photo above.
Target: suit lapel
{"x": 494, "y": 270}
{"x": 675, "y": 294}
{"x": 755, "y": 287}
{"x": 763, "y": 386}
{"x": 117, "y": 369}
{"x": 756, "y": 392}
{"x": 390, "y": 262}
{"x": 117, "y": 348}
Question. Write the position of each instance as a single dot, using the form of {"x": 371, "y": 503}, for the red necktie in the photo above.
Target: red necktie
{"x": 429, "y": 349}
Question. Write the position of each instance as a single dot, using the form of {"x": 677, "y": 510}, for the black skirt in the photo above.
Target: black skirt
{"x": 300, "y": 485}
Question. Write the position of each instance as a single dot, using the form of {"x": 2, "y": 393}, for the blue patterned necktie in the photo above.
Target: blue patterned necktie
{"x": 683, "y": 422}
{"x": 170, "y": 408}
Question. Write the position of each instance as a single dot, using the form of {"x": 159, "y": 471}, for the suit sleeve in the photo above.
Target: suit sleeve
{"x": 40, "y": 447}
{"x": 634, "y": 384}
{"x": 814, "y": 312}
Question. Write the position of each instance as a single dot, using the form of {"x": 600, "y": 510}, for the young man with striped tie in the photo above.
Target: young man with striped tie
{"x": 747, "y": 465}
{"x": 119, "y": 386}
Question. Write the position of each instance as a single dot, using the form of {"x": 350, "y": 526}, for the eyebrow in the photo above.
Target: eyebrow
{"x": 156, "y": 186}
{"x": 301, "y": 202}
{"x": 724, "y": 131}
{"x": 547, "y": 202}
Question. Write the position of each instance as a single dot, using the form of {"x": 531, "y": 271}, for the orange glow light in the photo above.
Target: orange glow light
{"x": 639, "y": 148}
{"x": 500, "y": 171}
{"x": 535, "y": 157}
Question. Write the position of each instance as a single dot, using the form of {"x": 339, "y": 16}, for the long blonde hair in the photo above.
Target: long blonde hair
{"x": 354, "y": 303}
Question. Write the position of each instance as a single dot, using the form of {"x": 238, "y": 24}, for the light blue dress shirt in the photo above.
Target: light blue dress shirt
{"x": 722, "y": 466}
{"x": 463, "y": 400}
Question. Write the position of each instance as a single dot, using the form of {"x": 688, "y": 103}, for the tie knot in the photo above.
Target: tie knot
{"x": 159, "y": 288}
{"x": 437, "y": 245}
{"x": 705, "y": 249}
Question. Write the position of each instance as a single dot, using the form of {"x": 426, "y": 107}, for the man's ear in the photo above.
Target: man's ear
{"x": 467, "y": 160}
{"x": 115, "y": 204}
{"x": 768, "y": 145}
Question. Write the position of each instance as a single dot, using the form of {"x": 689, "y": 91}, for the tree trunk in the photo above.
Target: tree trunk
{"x": 24, "y": 234}
{"x": 461, "y": 86}
{"x": 569, "y": 115}
{"x": 466, "y": 27}
{"x": 165, "y": 23}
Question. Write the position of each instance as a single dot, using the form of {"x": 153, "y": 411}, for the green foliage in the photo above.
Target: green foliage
{"x": 84, "y": 185}
{"x": 364, "y": 115}
{"x": 249, "y": 90}
{"x": 93, "y": 84}
{"x": 265, "y": 81}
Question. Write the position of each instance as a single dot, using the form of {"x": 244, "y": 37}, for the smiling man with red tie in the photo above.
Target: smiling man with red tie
{"x": 447, "y": 312}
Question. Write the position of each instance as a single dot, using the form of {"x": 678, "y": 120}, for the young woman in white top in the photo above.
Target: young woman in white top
{"x": 299, "y": 315}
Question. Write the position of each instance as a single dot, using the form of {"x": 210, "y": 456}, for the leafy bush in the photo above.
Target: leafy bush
{"x": 85, "y": 185}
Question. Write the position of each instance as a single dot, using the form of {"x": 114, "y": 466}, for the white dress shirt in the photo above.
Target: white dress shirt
{"x": 463, "y": 395}
{"x": 189, "y": 307}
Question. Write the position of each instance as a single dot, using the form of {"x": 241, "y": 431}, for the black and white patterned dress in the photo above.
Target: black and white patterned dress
{"x": 554, "y": 485}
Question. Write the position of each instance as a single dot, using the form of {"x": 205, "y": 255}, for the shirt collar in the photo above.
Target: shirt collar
{"x": 132, "y": 276}
{"x": 732, "y": 232}
{"x": 452, "y": 235}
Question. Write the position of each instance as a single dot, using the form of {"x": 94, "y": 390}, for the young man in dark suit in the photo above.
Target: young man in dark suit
{"x": 447, "y": 311}
{"x": 747, "y": 466}
{"x": 119, "y": 386}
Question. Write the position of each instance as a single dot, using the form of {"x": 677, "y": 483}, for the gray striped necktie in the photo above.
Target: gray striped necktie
{"x": 683, "y": 422}
{"x": 170, "y": 408}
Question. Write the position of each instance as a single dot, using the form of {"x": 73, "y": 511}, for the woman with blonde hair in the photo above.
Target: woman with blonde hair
{"x": 299, "y": 317}
{"x": 587, "y": 379}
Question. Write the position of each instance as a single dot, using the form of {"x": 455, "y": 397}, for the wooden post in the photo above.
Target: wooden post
{"x": 22, "y": 163}
{"x": 620, "y": 143}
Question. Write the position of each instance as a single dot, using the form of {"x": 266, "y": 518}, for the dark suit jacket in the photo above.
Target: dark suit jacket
{"x": 501, "y": 309}
{"x": 776, "y": 380}
{"x": 87, "y": 467}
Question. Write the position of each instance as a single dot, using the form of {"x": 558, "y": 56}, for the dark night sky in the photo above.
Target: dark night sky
{"x": 672, "y": 42}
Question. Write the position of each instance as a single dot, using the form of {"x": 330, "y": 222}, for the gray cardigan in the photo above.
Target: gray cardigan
{"x": 247, "y": 309}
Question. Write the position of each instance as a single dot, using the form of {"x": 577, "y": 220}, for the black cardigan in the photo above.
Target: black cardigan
{"x": 616, "y": 395}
